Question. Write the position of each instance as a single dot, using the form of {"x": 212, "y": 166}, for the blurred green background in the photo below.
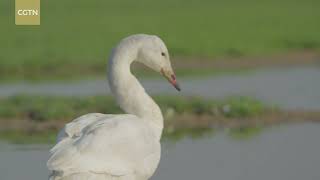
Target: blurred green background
{"x": 78, "y": 35}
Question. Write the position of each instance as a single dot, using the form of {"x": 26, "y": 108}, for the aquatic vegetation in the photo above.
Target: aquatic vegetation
{"x": 37, "y": 118}
{"x": 242, "y": 107}
{"x": 22, "y": 137}
{"x": 46, "y": 108}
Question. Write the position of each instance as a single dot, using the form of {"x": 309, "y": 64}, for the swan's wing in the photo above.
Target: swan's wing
{"x": 75, "y": 127}
{"x": 117, "y": 145}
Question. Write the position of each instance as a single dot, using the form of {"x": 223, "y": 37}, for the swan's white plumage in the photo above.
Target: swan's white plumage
{"x": 116, "y": 147}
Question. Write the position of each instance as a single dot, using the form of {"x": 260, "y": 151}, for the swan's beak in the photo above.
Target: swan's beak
{"x": 171, "y": 77}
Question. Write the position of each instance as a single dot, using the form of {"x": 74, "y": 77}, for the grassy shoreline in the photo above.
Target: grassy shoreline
{"x": 46, "y": 108}
{"x": 25, "y": 119}
{"x": 31, "y": 119}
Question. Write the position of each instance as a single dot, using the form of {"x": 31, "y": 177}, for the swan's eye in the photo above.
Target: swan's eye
{"x": 163, "y": 54}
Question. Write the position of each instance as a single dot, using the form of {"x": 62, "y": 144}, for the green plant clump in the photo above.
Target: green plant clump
{"x": 42, "y": 108}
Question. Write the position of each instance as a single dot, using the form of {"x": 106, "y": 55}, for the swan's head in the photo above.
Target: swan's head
{"x": 154, "y": 54}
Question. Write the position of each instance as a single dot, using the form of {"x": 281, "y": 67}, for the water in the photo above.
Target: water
{"x": 289, "y": 88}
{"x": 288, "y": 152}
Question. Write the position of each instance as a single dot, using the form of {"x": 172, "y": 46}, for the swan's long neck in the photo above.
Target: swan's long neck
{"x": 129, "y": 93}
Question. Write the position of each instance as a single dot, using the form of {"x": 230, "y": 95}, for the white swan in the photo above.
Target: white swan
{"x": 123, "y": 146}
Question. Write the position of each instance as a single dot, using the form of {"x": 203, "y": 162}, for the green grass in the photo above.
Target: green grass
{"x": 242, "y": 107}
{"x": 43, "y": 108}
{"x": 40, "y": 109}
{"x": 75, "y": 38}
{"x": 19, "y": 137}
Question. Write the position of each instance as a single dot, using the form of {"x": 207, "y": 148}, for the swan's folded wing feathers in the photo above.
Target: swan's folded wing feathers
{"x": 81, "y": 155}
{"x": 112, "y": 146}
{"x": 75, "y": 127}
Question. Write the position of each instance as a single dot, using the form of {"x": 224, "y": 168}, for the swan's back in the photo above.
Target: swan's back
{"x": 98, "y": 146}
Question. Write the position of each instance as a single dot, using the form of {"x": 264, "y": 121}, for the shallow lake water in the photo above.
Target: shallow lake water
{"x": 289, "y": 88}
{"x": 287, "y": 152}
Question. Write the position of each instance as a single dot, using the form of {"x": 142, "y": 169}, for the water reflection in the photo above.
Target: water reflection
{"x": 242, "y": 133}
{"x": 287, "y": 152}
{"x": 238, "y": 133}
{"x": 175, "y": 135}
